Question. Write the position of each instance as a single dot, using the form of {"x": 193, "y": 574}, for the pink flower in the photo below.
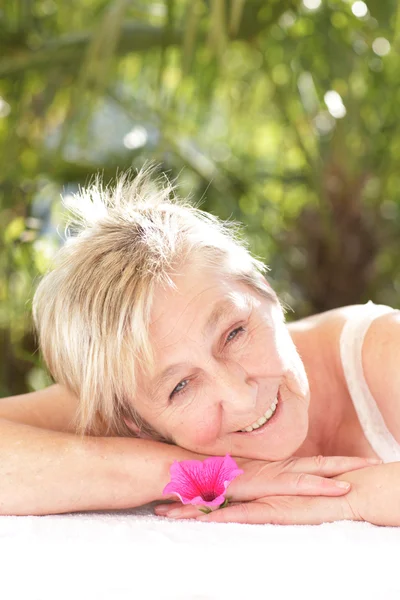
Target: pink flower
{"x": 202, "y": 482}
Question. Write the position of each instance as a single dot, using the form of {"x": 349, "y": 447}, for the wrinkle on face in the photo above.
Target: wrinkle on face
{"x": 168, "y": 315}
{"x": 199, "y": 419}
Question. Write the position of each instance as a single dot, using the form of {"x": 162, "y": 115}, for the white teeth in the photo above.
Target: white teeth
{"x": 267, "y": 415}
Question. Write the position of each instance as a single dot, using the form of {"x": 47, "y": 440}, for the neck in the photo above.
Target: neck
{"x": 327, "y": 401}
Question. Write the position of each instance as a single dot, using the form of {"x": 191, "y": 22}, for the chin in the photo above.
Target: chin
{"x": 280, "y": 439}
{"x": 281, "y": 451}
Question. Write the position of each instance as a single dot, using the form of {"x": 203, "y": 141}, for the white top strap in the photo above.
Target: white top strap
{"x": 371, "y": 420}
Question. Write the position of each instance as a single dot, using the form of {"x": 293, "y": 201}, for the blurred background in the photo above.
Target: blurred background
{"x": 282, "y": 114}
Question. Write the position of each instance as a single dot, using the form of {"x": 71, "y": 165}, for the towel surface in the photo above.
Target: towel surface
{"x": 133, "y": 554}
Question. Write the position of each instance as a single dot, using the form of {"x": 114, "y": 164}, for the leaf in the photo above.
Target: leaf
{"x": 189, "y": 39}
{"x": 95, "y": 71}
{"x": 235, "y": 16}
{"x": 225, "y": 503}
{"x": 205, "y": 510}
{"x": 101, "y": 49}
{"x": 14, "y": 230}
{"x": 217, "y": 33}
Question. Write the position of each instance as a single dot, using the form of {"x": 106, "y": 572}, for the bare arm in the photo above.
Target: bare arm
{"x": 46, "y": 469}
{"x": 48, "y": 472}
{"x": 51, "y": 408}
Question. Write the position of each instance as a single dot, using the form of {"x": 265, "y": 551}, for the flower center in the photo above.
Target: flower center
{"x": 209, "y": 496}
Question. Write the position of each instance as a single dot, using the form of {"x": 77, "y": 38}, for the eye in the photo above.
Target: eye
{"x": 179, "y": 388}
{"x": 182, "y": 385}
{"x": 234, "y": 333}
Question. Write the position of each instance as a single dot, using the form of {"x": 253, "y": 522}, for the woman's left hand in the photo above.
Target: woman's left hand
{"x": 279, "y": 510}
{"x": 374, "y": 497}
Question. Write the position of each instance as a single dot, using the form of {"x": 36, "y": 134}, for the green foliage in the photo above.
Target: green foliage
{"x": 281, "y": 114}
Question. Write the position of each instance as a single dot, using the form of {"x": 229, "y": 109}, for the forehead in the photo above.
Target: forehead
{"x": 199, "y": 298}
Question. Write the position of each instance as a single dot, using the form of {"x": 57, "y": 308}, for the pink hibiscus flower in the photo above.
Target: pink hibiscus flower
{"x": 202, "y": 482}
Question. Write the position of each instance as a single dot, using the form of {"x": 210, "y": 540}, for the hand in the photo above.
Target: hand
{"x": 374, "y": 497}
{"x": 263, "y": 481}
{"x": 375, "y": 494}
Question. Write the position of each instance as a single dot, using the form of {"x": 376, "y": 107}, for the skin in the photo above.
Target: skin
{"x": 230, "y": 375}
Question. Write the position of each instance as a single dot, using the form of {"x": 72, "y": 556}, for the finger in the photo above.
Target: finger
{"x": 290, "y": 484}
{"x": 300, "y": 484}
{"x": 285, "y": 510}
{"x": 328, "y": 466}
{"x": 177, "y": 510}
{"x": 162, "y": 509}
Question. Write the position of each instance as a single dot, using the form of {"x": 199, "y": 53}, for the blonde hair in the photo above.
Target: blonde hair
{"x": 92, "y": 309}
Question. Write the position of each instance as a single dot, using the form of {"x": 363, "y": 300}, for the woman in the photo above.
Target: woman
{"x": 163, "y": 325}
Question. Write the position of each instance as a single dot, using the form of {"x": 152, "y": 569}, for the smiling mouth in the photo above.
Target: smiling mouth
{"x": 263, "y": 419}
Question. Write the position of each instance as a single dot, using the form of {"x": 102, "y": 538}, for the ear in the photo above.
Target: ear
{"x": 136, "y": 430}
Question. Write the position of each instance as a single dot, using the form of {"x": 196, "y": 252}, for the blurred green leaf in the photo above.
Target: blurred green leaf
{"x": 14, "y": 230}
{"x": 271, "y": 113}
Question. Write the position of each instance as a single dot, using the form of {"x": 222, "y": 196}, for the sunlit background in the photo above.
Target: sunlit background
{"x": 281, "y": 114}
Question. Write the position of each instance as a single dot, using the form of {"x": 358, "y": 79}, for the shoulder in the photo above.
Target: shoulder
{"x": 380, "y": 353}
{"x": 328, "y": 324}
{"x": 380, "y": 357}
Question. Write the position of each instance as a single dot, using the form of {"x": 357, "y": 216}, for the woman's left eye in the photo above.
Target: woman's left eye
{"x": 234, "y": 333}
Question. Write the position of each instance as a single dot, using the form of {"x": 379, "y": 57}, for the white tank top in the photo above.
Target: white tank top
{"x": 371, "y": 420}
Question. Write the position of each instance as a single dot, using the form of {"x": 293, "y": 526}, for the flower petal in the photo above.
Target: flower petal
{"x": 229, "y": 471}
{"x": 221, "y": 470}
{"x": 202, "y": 482}
{"x": 183, "y": 480}
{"x": 199, "y": 501}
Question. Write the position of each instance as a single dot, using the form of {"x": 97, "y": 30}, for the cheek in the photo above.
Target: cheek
{"x": 271, "y": 353}
{"x": 263, "y": 356}
{"x": 199, "y": 429}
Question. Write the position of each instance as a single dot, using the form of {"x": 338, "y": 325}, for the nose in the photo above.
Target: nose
{"x": 237, "y": 391}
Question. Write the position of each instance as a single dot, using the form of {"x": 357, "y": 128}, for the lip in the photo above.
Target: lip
{"x": 268, "y": 423}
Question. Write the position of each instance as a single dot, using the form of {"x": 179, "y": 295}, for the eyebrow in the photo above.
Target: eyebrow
{"x": 221, "y": 310}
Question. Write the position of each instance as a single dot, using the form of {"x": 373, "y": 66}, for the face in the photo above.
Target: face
{"x": 223, "y": 355}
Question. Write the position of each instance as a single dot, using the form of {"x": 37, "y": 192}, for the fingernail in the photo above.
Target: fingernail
{"x": 162, "y": 509}
{"x": 344, "y": 485}
{"x": 374, "y": 461}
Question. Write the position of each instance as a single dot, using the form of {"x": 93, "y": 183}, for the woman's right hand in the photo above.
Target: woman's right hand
{"x": 308, "y": 476}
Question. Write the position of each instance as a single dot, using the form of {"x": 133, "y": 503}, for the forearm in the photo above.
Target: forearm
{"x": 48, "y": 472}
{"x": 375, "y": 493}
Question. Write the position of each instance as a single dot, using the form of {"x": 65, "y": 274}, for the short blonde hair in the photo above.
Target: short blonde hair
{"x": 92, "y": 309}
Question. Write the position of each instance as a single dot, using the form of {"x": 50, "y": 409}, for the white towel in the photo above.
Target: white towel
{"x": 133, "y": 554}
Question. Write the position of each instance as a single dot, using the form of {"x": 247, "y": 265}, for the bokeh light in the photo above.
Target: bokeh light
{"x": 312, "y": 4}
{"x": 335, "y": 104}
{"x": 359, "y": 9}
{"x": 381, "y": 46}
{"x": 136, "y": 138}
